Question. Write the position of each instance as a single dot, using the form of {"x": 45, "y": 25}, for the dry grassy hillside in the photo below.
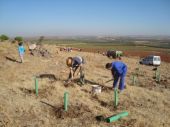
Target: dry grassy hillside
{"x": 147, "y": 102}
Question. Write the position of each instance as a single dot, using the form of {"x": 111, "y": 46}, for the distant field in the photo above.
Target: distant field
{"x": 129, "y": 48}
{"x": 102, "y": 46}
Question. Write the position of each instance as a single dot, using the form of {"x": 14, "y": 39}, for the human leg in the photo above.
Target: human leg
{"x": 116, "y": 78}
{"x": 22, "y": 58}
{"x": 122, "y": 82}
{"x": 82, "y": 76}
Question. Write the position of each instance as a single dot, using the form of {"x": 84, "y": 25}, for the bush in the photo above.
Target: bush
{"x": 18, "y": 39}
{"x": 4, "y": 37}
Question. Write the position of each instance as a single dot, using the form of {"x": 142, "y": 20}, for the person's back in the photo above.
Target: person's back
{"x": 78, "y": 59}
{"x": 119, "y": 67}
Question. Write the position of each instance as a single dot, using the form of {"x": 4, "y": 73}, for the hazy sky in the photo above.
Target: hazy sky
{"x": 84, "y": 17}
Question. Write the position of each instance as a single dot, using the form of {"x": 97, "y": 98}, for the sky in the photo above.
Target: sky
{"x": 84, "y": 17}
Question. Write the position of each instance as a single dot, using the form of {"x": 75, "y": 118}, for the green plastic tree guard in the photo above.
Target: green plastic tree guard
{"x": 134, "y": 79}
{"x": 155, "y": 73}
{"x": 116, "y": 117}
{"x": 115, "y": 97}
{"x": 65, "y": 101}
{"x": 36, "y": 86}
{"x": 158, "y": 77}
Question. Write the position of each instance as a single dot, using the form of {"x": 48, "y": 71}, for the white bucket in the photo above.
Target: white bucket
{"x": 96, "y": 89}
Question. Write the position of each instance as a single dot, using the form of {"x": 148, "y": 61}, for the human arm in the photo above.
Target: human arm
{"x": 71, "y": 72}
{"x": 113, "y": 73}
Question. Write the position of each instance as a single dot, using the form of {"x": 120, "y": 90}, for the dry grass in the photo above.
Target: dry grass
{"x": 148, "y": 102}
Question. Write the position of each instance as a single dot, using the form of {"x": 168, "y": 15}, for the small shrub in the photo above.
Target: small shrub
{"x": 4, "y": 37}
{"x": 18, "y": 38}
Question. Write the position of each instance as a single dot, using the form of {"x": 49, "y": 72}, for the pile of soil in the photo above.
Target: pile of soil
{"x": 74, "y": 111}
{"x": 110, "y": 105}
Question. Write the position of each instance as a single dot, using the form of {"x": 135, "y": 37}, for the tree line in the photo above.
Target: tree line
{"x": 4, "y": 37}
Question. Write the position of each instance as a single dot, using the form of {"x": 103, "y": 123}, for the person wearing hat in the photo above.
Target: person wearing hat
{"x": 118, "y": 70}
{"x": 75, "y": 63}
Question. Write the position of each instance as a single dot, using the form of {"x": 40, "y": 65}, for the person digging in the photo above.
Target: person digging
{"x": 118, "y": 70}
{"x": 75, "y": 64}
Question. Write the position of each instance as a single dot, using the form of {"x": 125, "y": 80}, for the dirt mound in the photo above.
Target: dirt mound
{"x": 74, "y": 111}
{"x": 42, "y": 92}
{"x": 109, "y": 105}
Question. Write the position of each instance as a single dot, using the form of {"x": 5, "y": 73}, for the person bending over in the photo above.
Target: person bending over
{"x": 118, "y": 70}
{"x": 75, "y": 64}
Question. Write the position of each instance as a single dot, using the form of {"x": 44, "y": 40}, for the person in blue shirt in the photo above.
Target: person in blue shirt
{"x": 118, "y": 70}
{"x": 21, "y": 51}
